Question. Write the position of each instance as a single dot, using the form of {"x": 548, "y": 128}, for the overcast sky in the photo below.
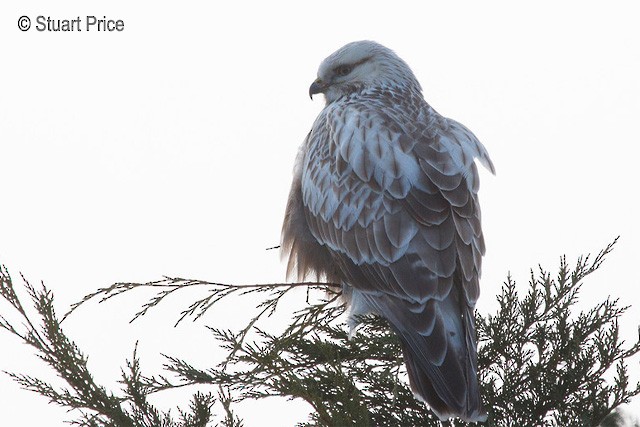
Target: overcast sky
{"x": 166, "y": 149}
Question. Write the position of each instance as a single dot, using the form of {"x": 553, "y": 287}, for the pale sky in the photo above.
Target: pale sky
{"x": 167, "y": 149}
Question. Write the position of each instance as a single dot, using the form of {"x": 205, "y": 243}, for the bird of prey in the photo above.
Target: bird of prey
{"x": 384, "y": 201}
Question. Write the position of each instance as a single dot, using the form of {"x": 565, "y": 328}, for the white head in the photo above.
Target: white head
{"x": 361, "y": 65}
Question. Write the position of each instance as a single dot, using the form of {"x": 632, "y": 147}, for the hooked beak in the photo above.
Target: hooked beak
{"x": 317, "y": 87}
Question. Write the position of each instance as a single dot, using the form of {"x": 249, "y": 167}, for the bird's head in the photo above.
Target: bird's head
{"x": 358, "y": 66}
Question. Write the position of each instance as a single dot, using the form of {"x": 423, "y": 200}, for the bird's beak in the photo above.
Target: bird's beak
{"x": 317, "y": 87}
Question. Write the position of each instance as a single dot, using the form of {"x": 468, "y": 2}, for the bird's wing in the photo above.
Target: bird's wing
{"x": 398, "y": 199}
{"x": 395, "y": 200}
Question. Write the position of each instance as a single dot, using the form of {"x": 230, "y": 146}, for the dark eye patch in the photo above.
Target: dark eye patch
{"x": 343, "y": 70}
{"x": 346, "y": 69}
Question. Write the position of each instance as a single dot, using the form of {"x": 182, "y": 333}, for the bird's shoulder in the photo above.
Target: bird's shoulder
{"x": 391, "y": 141}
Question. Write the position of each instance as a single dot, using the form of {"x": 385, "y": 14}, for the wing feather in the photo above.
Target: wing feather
{"x": 395, "y": 194}
{"x": 400, "y": 229}
{"x": 389, "y": 199}
{"x": 440, "y": 236}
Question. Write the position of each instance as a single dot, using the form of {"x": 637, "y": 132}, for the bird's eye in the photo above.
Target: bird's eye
{"x": 343, "y": 70}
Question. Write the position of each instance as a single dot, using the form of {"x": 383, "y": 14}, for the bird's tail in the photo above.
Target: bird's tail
{"x": 441, "y": 357}
{"x": 450, "y": 389}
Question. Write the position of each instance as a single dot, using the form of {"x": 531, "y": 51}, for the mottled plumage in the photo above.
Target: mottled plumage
{"x": 384, "y": 200}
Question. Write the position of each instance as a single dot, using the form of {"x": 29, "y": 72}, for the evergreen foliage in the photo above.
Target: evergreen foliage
{"x": 540, "y": 361}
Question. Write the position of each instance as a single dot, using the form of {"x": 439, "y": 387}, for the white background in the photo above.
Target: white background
{"x": 166, "y": 149}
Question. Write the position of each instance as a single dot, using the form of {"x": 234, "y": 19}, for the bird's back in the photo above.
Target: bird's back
{"x": 385, "y": 201}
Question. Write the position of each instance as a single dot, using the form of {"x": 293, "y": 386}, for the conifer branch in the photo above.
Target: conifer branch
{"x": 541, "y": 361}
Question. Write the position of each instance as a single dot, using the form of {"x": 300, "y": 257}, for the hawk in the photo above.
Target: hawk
{"x": 384, "y": 200}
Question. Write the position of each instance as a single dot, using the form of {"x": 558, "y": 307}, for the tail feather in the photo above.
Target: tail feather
{"x": 442, "y": 365}
{"x": 450, "y": 390}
